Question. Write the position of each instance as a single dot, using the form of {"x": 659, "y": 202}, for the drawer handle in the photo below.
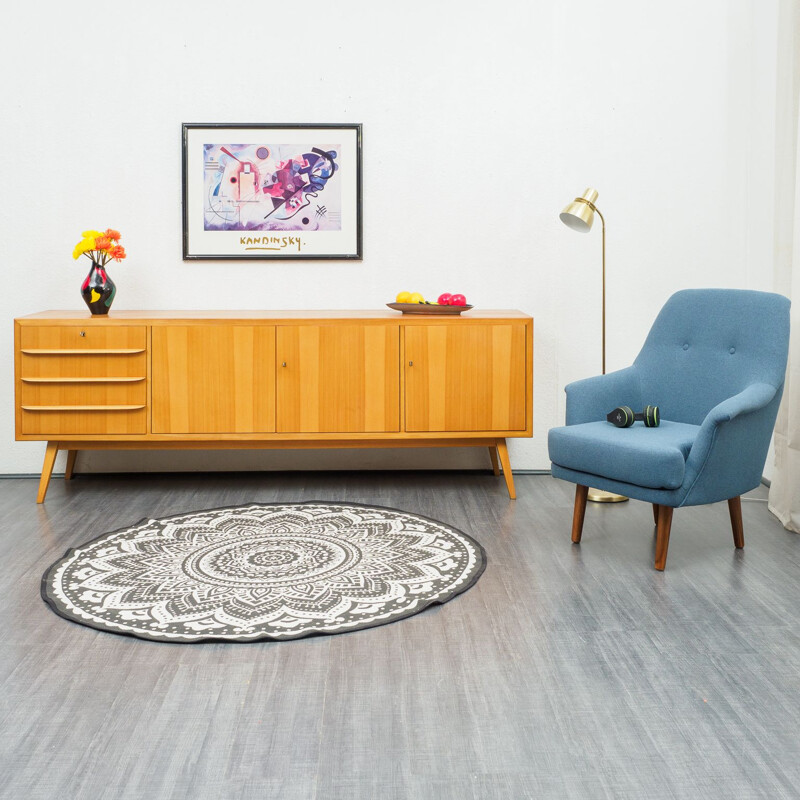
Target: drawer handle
{"x": 83, "y": 333}
{"x": 410, "y": 363}
{"x": 85, "y": 351}
{"x": 283, "y": 364}
{"x": 83, "y": 380}
{"x": 81, "y": 408}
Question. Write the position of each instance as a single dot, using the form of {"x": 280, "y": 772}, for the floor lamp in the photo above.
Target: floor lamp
{"x": 579, "y": 215}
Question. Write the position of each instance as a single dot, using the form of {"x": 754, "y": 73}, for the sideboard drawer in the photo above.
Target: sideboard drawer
{"x": 83, "y": 392}
{"x": 41, "y": 339}
{"x": 82, "y": 365}
{"x": 84, "y": 419}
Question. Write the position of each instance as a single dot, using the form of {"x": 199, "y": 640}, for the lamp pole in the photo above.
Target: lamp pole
{"x": 603, "y": 228}
{"x": 579, "y": 216}
{"x": 603, "y": 221}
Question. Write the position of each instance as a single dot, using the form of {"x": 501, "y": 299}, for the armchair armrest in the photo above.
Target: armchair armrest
{"x": 754, "y": 397}
{"x": 727, "y": 456}
{"x": 590, "y": 399}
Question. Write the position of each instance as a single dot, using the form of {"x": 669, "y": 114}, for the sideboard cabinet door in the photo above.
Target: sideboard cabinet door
{"x": 338, "y": 378}
{"x": 213, "y": 379}
{"x": 465, "y": 377}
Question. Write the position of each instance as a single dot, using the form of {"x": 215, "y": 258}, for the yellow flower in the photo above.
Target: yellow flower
{"x": 91, "y": 234}
{"x": 83, "y": 246}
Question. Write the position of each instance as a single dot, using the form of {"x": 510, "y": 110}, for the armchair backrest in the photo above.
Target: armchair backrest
{"x": 709, "y": 344}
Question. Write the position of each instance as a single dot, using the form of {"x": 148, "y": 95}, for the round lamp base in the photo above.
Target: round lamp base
{"x": 599, "y": 496}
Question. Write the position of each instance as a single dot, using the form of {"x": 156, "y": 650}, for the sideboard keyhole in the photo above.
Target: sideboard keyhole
{"x": 83, "y": 333}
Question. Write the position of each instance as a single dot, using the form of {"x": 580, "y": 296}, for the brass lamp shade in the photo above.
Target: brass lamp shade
{"x": 579, "y": 214}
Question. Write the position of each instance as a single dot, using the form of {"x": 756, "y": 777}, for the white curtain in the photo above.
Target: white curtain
{"x": 784, "y": 493}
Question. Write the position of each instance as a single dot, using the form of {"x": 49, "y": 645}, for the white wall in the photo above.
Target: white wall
{"x": 481, "y": 121}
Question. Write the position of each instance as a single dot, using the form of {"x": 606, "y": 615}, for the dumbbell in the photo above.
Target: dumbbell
{"x": 623, "y": 417}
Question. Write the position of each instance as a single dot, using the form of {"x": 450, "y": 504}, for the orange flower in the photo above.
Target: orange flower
{"x": 117, "y": 252}
{"x": 112, "y": 234}
{"x": 102, "y": 243}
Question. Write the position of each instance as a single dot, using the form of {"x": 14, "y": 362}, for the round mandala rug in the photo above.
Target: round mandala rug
{"x": 273, "y": 571}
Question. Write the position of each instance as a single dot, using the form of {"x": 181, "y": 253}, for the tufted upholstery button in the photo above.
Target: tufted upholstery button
{"x": 686, "y": 347}
{"x": 732, "y": 350}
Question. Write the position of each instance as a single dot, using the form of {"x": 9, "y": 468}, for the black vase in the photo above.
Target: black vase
{"x": 98, "y": 290}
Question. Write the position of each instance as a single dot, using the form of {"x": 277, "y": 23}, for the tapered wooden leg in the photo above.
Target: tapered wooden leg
{"x": 581, "y": 493}
{"x": 735, "y": 509}
{"x": 71, "y": 455}
{"x": 662, "y": 536}
{"x": 655, "y": 513}
{"x": 495, "y": 464}
{"x": 502, "y": 452}
{"x": 47, "y": 470}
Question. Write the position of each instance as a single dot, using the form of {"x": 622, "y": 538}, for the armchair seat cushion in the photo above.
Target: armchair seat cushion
{"x": 650, "y": 457}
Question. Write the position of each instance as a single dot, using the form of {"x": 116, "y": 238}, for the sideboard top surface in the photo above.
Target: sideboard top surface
{"x": 284, "y": 315}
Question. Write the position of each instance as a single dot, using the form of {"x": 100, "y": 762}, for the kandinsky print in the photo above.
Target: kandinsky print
{"x": 271, "y": 191}
{"x": 272, "y": 187}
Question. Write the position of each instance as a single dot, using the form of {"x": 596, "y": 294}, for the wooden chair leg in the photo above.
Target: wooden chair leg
{"x": 502, "y": 452}
{"x": 655, "y": 513}
{"x": 71, "y": 456}
{"x": 581, "y": 492}
{"x": 495, "y": 463}
{"x": 47, "y": 470}
{"x": 735, "y": 509}
{"x": 662, "y": 536}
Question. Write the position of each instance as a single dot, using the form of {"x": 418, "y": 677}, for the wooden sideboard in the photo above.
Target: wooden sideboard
{"x": 272, "y": 379}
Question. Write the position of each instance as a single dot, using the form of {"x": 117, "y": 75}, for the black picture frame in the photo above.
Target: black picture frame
{"x": 234, "y": 240}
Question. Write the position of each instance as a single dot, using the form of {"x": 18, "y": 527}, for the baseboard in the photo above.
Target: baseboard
{"x": 530, "y": 471}
{"x": 36, "y": 475}
{"x": 766, "y": 481}
{"x": 12, "y": 476}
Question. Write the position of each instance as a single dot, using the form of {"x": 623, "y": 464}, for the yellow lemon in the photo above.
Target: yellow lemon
{"x": 403, "y": 297}
{"x": 416, "y": 297}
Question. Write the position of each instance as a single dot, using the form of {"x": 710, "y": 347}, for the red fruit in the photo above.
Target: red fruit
{"x": 444, "y": 299}
{"x": 458, "y": 300}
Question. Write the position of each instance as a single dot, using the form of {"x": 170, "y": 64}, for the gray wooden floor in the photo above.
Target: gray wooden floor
{"x": 566, "y": 672}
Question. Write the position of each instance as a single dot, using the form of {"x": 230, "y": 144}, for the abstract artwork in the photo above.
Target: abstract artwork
{"x": 271, "y": 187}
{"x": 264, "y": 191}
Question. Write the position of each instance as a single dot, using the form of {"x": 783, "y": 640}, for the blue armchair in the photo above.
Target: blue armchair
{"x": 714, "y": 363}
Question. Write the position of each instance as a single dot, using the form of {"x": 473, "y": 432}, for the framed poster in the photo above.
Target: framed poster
{"x": 271, "y": 191}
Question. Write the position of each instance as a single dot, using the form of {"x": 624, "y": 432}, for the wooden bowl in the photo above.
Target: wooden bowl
{"x": 430, "y": 310}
